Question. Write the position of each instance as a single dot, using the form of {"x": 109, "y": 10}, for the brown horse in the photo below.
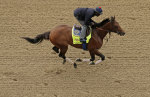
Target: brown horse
{"x": 61, "y": 37}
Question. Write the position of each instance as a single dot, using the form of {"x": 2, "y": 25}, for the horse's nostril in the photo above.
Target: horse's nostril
{"x": 122, "y": 34}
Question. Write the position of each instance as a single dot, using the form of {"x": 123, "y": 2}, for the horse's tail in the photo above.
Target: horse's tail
{"x": 38, "y": 39}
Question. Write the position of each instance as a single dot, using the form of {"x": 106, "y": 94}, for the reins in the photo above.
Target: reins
{"x": 107, "y": 38}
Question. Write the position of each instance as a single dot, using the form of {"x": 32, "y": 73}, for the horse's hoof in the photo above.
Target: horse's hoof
{"x": 78, "y": 60}
{"x": 103, "y": 58}
{"x": 91, "y": 63}
{"x": 75, "y": 65}
{"x": 64, "y": 61}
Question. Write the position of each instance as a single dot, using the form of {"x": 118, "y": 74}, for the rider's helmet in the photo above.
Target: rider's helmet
{"x": 99, "y": 10}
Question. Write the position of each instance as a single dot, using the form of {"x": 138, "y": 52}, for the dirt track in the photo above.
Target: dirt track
{"x": 36, "y": 71}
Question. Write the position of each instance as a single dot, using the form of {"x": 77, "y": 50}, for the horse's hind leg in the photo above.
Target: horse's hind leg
{"x": 56, "y": 49}
{"x": 62, "y": 53}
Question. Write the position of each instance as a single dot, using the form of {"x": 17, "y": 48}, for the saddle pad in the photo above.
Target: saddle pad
{"x": 76, "y": 36}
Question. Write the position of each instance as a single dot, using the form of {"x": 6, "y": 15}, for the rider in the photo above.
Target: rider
{"x": 84, "y": 15}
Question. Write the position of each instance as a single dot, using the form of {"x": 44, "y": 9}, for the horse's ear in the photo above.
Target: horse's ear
{"x": 112, "y": 19}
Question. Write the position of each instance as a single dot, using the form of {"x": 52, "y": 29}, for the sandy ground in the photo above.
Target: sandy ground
{"x": 28, "y": 70}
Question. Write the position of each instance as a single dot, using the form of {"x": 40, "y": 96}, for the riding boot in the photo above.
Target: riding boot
{"x": 82, "y": 37}
{"x": 83, "y": 31}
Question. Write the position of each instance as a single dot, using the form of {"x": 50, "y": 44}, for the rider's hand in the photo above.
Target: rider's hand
{"x": 92, "y": 23}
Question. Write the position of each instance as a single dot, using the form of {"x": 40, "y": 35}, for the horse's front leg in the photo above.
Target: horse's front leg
{"x": 92, "y": 54}
{"x": 99, "y": 54}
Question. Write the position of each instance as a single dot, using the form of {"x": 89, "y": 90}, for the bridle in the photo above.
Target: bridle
{"x": 109, "y": 31}
{"x": 112, "y": 24}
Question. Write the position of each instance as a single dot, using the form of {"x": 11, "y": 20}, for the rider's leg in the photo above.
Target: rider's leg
{"x": 83, "y": 33}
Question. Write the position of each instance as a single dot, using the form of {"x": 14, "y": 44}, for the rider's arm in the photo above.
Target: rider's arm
{"x": 88, "y": 15}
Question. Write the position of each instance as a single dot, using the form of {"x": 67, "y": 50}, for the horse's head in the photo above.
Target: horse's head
{"x": 115, "y": 27}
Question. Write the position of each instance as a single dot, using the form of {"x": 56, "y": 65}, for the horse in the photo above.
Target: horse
{"x": 61, "y": 37}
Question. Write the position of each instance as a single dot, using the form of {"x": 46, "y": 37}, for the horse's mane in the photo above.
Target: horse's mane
{"x": 103, "y": 22}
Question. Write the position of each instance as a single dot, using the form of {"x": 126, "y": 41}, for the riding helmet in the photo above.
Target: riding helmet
{"x": 99, "y": 10}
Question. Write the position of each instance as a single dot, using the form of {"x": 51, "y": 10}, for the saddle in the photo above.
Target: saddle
{"x": 76, "y": 31}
